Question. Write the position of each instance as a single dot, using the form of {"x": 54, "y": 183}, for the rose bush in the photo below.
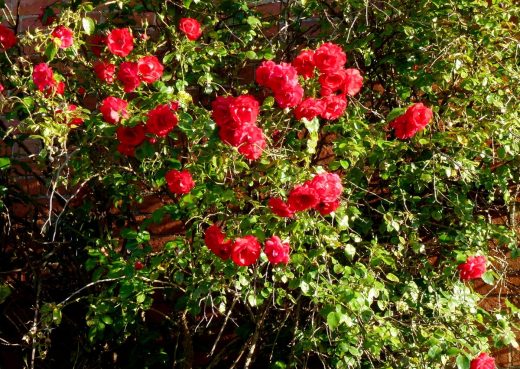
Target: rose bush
{"x": 219, "y": 194}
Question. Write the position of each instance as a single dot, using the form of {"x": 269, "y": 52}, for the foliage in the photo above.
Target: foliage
{"x": 373, "y": 285}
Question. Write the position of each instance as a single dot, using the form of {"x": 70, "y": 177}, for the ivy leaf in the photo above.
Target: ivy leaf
{"x": 88, "y": 25}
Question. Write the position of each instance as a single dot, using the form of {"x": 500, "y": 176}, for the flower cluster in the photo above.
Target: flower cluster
{"x": 473, "y": 268}
{"x": 245, "y": 250}
{"x": 236, "y": 119}
{"x": 179, "y": 182}
{"x": 414, "y": 120}
{"x": 322, "y": 193}
{"x": 483, "y": 361}
{"x": 43, "y": 78}
{"x": 336, "y": 82}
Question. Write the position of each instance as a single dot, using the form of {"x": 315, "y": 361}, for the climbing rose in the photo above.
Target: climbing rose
{"x": 252, "y": 142}
{"x": 327, "y": 186}
{"x": 302, "y": 197}
{"x": 353, "y": 81}
{"x": 414, "y": 120}
{"x": 128, "y": 75}
{"x": 245, "y": 250}
{"x": 277, "y": 251}
{"x": 127, "y": 150}
{"x": 325, "y": 208}
{"x": 150, "y": 69}
{"x": 244, "y": 109}
{"x": 179, "y": 182}
{"x": 334, "y": 106}
{"x": 131, "y": 136}
{"x": 309, "y": 109}
{"x": 483, "y": 361}
{"x": 113, "y": 109}
{"x": 161, "y": 120}
{"x": 2, "y": 88}
{"x": 65, "y": 35}
{"x": 473, "y": 268}
{"x": 105, "y": 71}
{"x": 191, "y": 28}
{"x": 329, "y": 57}
{"x": 280, "y": 208}
{"x": 75, "y": 121}
{"x": 263, "y": 72}
{"x": 120, "y": 42}
{"x": 304, "y": 63}
{"x": 214, "y": 239}
{"x": 43, "y": 76}
{"x": 332, "y": 82}
{"x": 220, "y": 110}
{"x": 289, "y": 97}
{"x": 7, "y": 37}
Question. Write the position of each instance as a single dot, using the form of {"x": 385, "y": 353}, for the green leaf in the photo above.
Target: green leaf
{"x": 488, "y": 277}
{"x": 107, "y": 319}
{"x": 463, "y": 362}
{"x": 394, "y": 114}
{"x": 392, "y": 277}
{"x": 333, "y": 320}
{"x": 4, "y": 163}
{"x": 52, "y": 49}
{"x": 88, "y": 25}
{"x": 5, "y": 291}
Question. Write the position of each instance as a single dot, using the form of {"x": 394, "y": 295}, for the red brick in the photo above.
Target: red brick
{"x": 269, "y": 9}
{"x": 31, "y": 7}
{"x": 28, "y": 23}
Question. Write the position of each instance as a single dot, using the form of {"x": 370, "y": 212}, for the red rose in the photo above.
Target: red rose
{"x": 161, "y": 120}
{"x": 483, "y": 361}
{"x": 289, "y": 97}
{"x": 473, "y": 268}
{"x": 105, "y": 71}
{"x": 150, "y": 69}
{"x": 414, "y": 120}
{"x": 309, "y": 109}
{"x": 128, "y": 75}
{"x": 43, "y": 76}
{"x": 2, "y": 88}
{"x": 304, "y": 63}
{"x": 276, "y": 251}
{"x": 220, "y": 110}
{"x": 75, "y": 121}
{"x": 65, "y": 35}
{"x": 113, "y": 109}
{"x": 120, "y": 42}
{"x": 353, "y": 81}
{"x": 7, "y": 37}
{"x": 302, "y": 198}
{"x": 332, "y": 82}
{"x": 138, "y": 265}
{"x": 244, "y": 109}
{"x": 263, "y": 72}
{"x": 131, "y": 136}
{"x": 81, "y": 90}
{"x": 97, "y": 43}
{"x": 325, "y": 208}
{"x": 57, "y": 88}
{"x": 276, "y": 76}
{"x": 334, "y": 107}
{"x": 191, "y": 28}
{"x": 179, "y": 182}
{"x": 327, "y": 186}
{"x": 280, "y": 208}
{"x": 245, "y": 250}
{"x": 214, "y": 239}
{"x": 252, "y": 142}
{"x": 127, "y": 150}
{"x": 329, "y": 57}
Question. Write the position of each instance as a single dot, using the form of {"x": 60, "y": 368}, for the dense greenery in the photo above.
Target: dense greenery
{"x": 373, "y": 285}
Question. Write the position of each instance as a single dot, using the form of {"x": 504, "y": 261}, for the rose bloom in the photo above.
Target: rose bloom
{"x": 353, "y": 82}
{"x": 113, "y": 109}
{"x": 2, "y": 88}
{"x": 7, "y": 37}
{"x": 56, "y": 88}
{"x": 329, "y": 57}
{"x": 289, "y": 97}
{"x": 191, "y": 28}
{"x": 263, "y": 72}
{"x": 233, "y": 133}
{"x": 43, "y": 76}
{"x": 244, "y": 109}
{"x": 120, "y": 42}
{"x": 65, "y": 35}
{"x": 325, "y": 208}
{"x": 179, "y": 182}
{"x": 414, "y": 120}
{"x": 309, "y": 109}
{"x": 75, "y": 121}
{"x": 280, "y": 208}
{"x": 332, "y": 82}
{"x": 161, "y": 120}
{"x": 127, "y": 150}
{"x": 302, "y": 197}
{"x": 473, "y": 268}
{"x": 277, "y": 251}
{"x": 304, "y": 63}
{"x": 252, "y": 143}
{"x": 245, "y": 250}
{"x": 128, "y": 75}
{"x": 483, "y": 361}
{"x": 334, "y": 106}
{"x": 105, "y": 71}
{"x": 214, "y": 240}
{"x": 131, "y": 136}
{"x": 220, "y": 110}
{"x": 276, "y": 76}
{"x": 149, "y": 69}
{"x": 97, "y": 43}
{"x": 327, "y": 186}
